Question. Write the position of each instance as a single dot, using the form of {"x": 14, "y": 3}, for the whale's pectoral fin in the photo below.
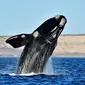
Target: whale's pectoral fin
{"x": 19, "y": 40}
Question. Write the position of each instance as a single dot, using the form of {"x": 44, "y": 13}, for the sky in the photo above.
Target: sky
{"x": 24, "y": 16}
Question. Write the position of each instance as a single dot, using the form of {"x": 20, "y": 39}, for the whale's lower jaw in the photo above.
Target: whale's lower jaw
{"x": 35, "y": 55}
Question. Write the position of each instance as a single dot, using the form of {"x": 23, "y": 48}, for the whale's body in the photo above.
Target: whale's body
{"x": 38, "y": 46}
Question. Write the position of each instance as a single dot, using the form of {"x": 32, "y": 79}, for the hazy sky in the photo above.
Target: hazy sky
{"x": 23, "y": 16}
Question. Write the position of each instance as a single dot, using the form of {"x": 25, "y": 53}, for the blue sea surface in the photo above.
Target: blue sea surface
{"x": 66, "y": 71}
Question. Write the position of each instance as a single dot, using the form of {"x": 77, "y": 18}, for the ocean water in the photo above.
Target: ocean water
{"x": 59, "y": 71}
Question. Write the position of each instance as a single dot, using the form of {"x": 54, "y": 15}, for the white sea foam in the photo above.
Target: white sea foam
{"x": 28, "y": 74}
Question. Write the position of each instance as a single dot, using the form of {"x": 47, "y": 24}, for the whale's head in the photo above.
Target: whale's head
{"x": 53, "y": 26}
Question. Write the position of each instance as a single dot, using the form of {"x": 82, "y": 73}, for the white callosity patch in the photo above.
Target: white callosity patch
{"x": 57, "y": 17}
{"x": 62, "y": 22}
{"x": 22, "y": 36}
{"x": 36, "y": 34}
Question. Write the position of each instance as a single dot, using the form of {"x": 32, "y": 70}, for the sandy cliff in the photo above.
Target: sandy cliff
{"x": 70, "y": 44}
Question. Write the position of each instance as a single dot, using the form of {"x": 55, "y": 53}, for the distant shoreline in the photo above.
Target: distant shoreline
{"x": 68, "y": 46}
{"x": 69, "y": 55}
{"x": 57, "y": 55}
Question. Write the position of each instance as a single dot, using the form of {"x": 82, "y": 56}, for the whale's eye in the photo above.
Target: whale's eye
{"x": 57, "y": 17}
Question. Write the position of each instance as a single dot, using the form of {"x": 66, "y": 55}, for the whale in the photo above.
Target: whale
{"x": 39, "y": 45}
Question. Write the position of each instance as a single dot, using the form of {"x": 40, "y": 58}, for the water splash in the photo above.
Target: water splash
{"x": 48, "y": 68}
{"x": 28, "y": 74}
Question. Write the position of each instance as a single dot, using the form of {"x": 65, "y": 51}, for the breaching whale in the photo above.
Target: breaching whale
{"x": 39, "y": 45}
